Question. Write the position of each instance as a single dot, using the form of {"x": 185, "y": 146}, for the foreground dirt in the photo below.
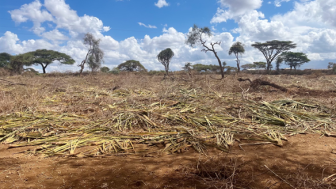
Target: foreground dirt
{"x": 303, "y": 162}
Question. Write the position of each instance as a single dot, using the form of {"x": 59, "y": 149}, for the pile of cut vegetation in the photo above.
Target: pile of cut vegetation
{"x": 80, "y": 121}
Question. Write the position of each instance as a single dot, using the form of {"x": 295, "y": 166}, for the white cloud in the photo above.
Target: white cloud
{"x": 310, "y": 24}
{"x": 60, "y": 13}
{"x": 277, "y": 3}
{"x": 34, "y": 13}
{"x": 232, "y": 9}
{"x": 314, "y": 56}
{"x": 55, "y": 35}
{"x": 147, "y": 26}
{"x": 66, "y": 18}
{"x": 254, "y": 27}
{"x": 8, "y": 43}
{"x": 106, "y": 28}
{"x": 11, "y": 43}
{"x": 161, "y": 3}
{"x": 317, "y": 14}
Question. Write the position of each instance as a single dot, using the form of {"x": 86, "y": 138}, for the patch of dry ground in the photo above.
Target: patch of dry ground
{"x": 303, "y": 162}
{"x": 49, "y": 115}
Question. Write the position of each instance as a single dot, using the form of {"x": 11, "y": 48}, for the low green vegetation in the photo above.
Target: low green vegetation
{"x": 132, "y": 66}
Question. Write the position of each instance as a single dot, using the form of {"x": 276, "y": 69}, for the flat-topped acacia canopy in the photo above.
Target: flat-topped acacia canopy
{"x": 45, "y": 57}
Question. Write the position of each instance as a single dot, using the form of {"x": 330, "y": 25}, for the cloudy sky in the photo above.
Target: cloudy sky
{"x": 140, "y": 29}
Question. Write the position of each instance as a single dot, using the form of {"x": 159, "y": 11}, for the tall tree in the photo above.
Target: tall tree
{"x": 132, "y": 66}
{"x": 237, "y": 48}
{"x": 331, "y": 65}
{"x": 271, "y": 49}
{"x": 278, "y": 62}
{"x": 94, "y": 56}
{"x": 164, "y": 57}
{"x": 4, "y": 59}
{"x": 295, "y": 59}
{"x": 17, "y": 62}
{"x": 195, "y": 36}
{"x": 45, "y": 57}
{"x": 187, "y": 67}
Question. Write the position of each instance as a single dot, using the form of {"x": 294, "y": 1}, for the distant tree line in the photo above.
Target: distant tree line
{"x": 278, "y": 51}
{"x": 40, "y": 57}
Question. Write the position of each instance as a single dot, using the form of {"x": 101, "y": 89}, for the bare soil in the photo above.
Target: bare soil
{"x": 305, "y": 161}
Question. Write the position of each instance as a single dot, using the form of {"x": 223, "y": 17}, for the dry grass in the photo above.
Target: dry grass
{"x": 101, "y": 114}
{"x": 63, "y": 113}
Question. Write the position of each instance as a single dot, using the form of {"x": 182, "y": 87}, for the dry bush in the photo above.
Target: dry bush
{"x": 4, "y": 72}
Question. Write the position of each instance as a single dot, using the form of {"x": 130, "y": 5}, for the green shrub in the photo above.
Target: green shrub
{"x": 115, "y": 71}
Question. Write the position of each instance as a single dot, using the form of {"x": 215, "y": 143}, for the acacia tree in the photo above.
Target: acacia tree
{"x": 259, "y": 65}
{"x": 45, "y": 57}
{"x": 237, "y": 48}
{"x": 271, "y": 49}
{"x": 248, "y": 66}
{"x": 164, "y": 57}
{"x": 4, "y": 59}
{"x": 17, "y": 62}
{"x": 94, "y": 56}
{"x": 278, "y": 62}
{"x": 195, "y": 36}
{"x": 132, "y": 66}
{"x": 294, "y": 59}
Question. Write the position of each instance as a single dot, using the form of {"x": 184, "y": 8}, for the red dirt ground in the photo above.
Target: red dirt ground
{"x": 302, "y": 162}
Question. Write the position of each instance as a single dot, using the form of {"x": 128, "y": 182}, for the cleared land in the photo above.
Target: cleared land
{"x": 139, "y": 131}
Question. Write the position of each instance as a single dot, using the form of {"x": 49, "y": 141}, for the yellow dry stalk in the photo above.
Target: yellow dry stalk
{"x": 107, "y": 147}
{"x": 148, "y": 121}
{"x": 208, "y": 121}
{"x": 275, "y": 136}
{"x": 73, "y": 146}
{"x": 10, "y": 140}
{"x": 188, "y": 109}
{"x": 225, "y": 139}
{"x": 70, "y": 145}
{"x": 124, "y": 144}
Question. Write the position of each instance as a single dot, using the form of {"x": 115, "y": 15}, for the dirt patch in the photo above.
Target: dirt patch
{"x": 303, "y": 162}
{"x": 302, "y": 91}
{"x": 293, "y": 89}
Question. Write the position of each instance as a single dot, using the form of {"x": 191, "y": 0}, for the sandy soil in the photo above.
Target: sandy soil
{"x": 303, "y": 162}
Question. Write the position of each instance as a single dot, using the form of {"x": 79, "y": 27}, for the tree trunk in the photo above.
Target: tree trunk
{"x": 215, "y": 53}
{"x": 219, "y": 62}
{"x": 44, "y": 68}
{"x": 82, "y": 67}
{"x": 278, "y": 67}
{"x": 166, "y": 74}
{"x": 83, "y": 62}
{"x": 268, "y": 66}
{"x": 238, "y": 63}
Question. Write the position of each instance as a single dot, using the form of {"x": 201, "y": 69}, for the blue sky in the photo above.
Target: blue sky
{"x": 134, "y": 29}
